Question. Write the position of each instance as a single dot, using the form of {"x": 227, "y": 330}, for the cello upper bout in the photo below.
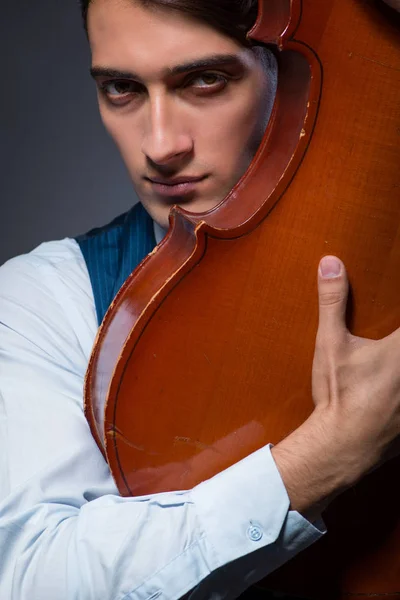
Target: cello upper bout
{"x": 277, "y": 20}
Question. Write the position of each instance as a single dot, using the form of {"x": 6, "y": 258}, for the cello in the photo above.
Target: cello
{"x": 214, "y": 331}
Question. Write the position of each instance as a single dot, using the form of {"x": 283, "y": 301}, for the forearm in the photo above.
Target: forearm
{"x": 54, "y": 544}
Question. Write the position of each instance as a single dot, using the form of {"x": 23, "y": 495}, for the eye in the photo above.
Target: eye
{"x": 208, "y": 82}
{"x": 119, "y": 91}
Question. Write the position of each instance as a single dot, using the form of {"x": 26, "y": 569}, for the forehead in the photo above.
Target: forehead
{"x": 125, "y": 35}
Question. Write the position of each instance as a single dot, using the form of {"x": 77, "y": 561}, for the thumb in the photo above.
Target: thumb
{"x": 333, "y": 289}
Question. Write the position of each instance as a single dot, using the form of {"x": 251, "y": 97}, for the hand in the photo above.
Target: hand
{"x": 356, "y": 380}
{"x": 356, "y": 391}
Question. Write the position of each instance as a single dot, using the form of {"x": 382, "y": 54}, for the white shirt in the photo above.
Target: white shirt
{"x": 65, "y": 533}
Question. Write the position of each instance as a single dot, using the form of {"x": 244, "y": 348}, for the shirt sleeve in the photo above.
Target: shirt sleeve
{"x": 65, "y": 532}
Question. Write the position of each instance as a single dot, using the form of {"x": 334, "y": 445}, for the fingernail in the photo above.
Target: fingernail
{"x": 330, "y": 267}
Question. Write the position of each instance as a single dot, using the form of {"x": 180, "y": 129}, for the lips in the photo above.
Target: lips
{"x": 176, "y": 181}
{"x": 180, "y": 186}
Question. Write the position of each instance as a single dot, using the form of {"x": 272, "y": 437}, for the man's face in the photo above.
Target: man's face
{"x": 183, "y": 103}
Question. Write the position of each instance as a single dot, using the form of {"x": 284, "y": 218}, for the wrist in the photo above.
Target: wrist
{"x": 315, "y": 464}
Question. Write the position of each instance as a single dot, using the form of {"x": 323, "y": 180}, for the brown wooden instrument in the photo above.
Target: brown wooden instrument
{"x": 206, "y": 352}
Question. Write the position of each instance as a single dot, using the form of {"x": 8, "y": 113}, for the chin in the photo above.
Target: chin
{"x": 200, "y": 206}
{"x": 159, "y": 211}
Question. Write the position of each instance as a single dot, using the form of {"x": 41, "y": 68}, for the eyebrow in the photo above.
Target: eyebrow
{"x": 215, "y": 60}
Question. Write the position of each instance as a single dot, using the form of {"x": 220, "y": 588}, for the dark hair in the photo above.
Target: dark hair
{"x": 234, "y": 18}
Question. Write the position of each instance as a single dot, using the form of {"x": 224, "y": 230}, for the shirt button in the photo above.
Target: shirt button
{"x": 255, "y": 533}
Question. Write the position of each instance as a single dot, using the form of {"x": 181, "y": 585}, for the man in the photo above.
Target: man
{"x": 187, "y": 120}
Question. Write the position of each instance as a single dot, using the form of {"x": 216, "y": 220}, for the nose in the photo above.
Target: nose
{"x": 166, "y": 140}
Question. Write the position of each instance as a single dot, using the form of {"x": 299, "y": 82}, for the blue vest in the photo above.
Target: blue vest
{"x": 112, "y": 252}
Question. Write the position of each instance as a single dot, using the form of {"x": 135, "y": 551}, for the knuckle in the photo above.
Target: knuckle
{"x": 331, "y": 298}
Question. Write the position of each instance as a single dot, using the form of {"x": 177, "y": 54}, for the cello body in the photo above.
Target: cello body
{"x": 206, "y": 352}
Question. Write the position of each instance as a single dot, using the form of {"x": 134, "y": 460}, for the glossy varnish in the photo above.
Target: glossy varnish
{"x": 206, "y": 353}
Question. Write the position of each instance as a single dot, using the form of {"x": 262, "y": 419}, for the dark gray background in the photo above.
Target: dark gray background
{"x": 60, "y": 173}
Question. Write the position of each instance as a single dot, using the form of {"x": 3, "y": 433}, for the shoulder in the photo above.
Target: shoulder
{"x": 64, "y": 254}
{"x": 47, "y": 293}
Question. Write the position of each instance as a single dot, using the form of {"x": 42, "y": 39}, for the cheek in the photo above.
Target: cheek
{"x": 125, "y": 136}
{"x": 232, "y": 135}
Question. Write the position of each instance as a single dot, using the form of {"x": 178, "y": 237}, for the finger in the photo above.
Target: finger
{"x": 333, "y": 289}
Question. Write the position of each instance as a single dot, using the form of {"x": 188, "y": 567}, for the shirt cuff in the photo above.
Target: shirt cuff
{"x": 252, "y": 512}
